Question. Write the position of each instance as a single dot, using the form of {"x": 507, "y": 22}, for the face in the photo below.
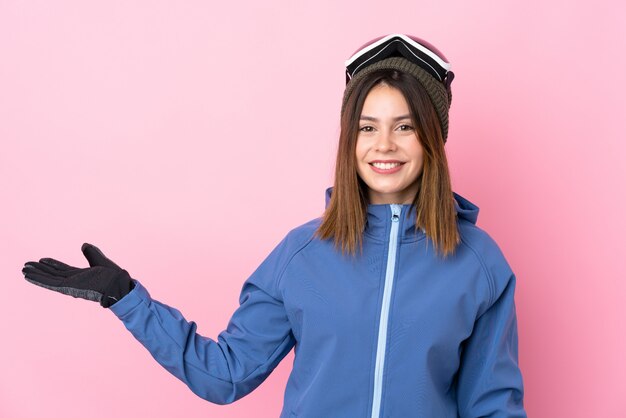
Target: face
{"x": 389, "y": 155}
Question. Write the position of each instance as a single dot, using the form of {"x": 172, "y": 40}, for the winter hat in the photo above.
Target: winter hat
{"x": 410, "y": 55}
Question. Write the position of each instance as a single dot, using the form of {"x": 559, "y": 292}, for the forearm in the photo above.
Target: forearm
{"x": 219, "y": 371}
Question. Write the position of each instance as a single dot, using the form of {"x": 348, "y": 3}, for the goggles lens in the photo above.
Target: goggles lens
{"x": 414, "y": 49}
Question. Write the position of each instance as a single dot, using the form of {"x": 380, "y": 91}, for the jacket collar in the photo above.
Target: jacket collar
{"x": 379, "y": 216}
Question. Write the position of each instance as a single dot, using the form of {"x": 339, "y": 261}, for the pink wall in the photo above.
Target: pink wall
{"x": 186, "y": 138}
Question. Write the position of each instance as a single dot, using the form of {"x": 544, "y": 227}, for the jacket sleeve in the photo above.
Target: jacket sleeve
{"x": 490, "y": 381}
{"x": 257, "y": 338}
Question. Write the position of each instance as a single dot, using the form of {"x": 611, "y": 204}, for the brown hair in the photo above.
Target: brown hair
{"x": 344, "y": 218}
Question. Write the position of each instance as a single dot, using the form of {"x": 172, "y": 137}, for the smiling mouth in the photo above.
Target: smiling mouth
{"x": 385, "y": 166}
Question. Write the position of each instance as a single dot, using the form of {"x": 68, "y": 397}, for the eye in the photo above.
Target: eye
{"x": 406, "y": 127}
{"x": 366, "y": 128}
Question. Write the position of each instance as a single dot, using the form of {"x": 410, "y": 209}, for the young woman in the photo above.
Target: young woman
{"x": 397, "y": 304}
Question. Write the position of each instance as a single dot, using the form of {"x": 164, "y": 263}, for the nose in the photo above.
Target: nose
{"x": 385, "y": 142}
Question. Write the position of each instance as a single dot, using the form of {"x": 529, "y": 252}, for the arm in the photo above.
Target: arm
{"x": 490, "y": 381}
{"x": 257, "y": 338}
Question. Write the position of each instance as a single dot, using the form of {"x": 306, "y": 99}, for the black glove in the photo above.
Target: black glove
{"x": 103, "y": 282}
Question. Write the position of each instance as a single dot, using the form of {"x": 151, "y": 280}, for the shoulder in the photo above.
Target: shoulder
{"x": 298, "y": 237}
{"x": 268, "y": 275}
{"x": 479, "y": 240}
{"x": 304, "y": 233}
{"x": 488, "y": 253}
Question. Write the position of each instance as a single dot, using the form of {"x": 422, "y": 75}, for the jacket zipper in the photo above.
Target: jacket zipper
{"x": 384, "y": 310}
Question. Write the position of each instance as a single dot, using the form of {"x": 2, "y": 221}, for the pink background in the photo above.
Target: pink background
{"x": 186, "y": 138}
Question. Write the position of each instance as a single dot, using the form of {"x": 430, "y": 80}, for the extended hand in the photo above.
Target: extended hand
{"x": 104, "y": 281}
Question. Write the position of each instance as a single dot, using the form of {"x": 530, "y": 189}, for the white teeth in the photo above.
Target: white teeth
{"x": 385, "y": 166}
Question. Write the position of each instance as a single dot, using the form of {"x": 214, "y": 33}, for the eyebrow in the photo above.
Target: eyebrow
{"x": 373, "y": 119}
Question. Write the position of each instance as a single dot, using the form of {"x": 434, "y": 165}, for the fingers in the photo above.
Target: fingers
{"x": 58, "y": 284}
{"x": 57, "y": 264}
{"x": 52, "y": 270}
{"x": 40, "y": 277}
{"x": 96, "y": 257}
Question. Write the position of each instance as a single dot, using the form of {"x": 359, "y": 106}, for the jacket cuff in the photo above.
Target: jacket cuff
{"x": 137, "y": 295}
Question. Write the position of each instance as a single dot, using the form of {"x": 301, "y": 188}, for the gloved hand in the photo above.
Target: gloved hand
{"x": 103, "y": 282}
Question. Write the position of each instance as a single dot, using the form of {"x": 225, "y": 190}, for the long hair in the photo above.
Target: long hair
{"x": 345, "y": 217}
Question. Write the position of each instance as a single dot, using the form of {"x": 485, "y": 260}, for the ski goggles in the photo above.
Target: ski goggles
{"x": 412, "y": 48}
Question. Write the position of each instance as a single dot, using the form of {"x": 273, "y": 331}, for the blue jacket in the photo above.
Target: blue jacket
{"x": 395, "y": 333}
